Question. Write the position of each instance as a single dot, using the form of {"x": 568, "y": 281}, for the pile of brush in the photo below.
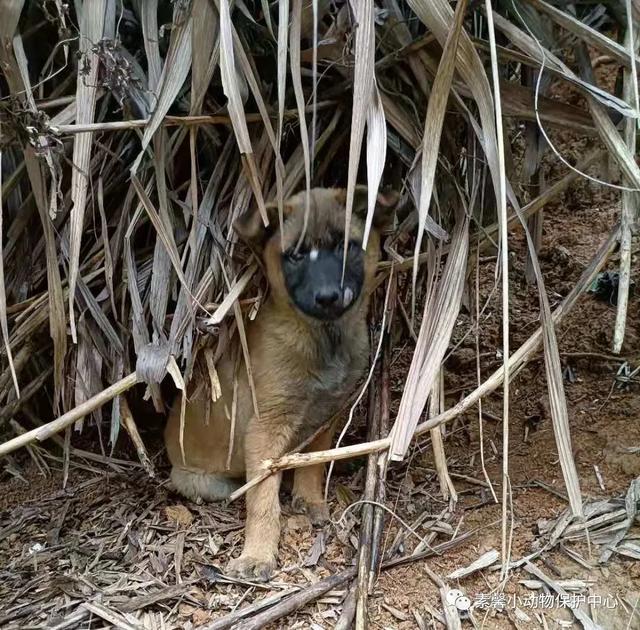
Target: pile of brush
{"x": 134, "y": 133}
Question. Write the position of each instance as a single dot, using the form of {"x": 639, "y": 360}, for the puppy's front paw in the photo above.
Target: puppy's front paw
{"x": 252, "y": 568}
{"x": 317, "y": 511}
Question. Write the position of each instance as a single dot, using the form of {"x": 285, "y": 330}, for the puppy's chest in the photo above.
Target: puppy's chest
{"x": 336, "y": 376}
{"x": 333, "y": 378}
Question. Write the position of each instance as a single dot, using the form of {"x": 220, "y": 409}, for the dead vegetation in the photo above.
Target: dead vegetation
{"x": 133, "y": 134}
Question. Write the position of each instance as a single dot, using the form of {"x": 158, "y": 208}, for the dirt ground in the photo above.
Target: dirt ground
{"x": 116, "y": 548}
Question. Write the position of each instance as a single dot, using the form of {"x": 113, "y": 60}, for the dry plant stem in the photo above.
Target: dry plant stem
{"x": 348, "y": 610}
{"x": 437, "y": 441}
{"x": 234, "y": 617}
{"x": 479, "y": 376}
{"x": 516, "y": 362}
{"x": 501, "y": 196}
{"x": 366, "y": 519}
{"x": 629, "y": 203}
{"x": 170, "y": 121}
{"x": 378, "y": 513}
{"x": 55, "y": 426}
{"x": 129, "y": 424}
{"x": 258, "y": 478}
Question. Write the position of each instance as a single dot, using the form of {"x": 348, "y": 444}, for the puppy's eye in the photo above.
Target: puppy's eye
{"x": 353, "y": 246}
{"x": 294, "y": 256}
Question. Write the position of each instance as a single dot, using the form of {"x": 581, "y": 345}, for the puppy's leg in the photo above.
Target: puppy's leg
{"x": 308, "y": 483}
{"x": 263, "y": 440}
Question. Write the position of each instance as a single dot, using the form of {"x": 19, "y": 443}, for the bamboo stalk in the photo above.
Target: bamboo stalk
{"x": 296, "y": 601}
{"x": 348, "y": 610}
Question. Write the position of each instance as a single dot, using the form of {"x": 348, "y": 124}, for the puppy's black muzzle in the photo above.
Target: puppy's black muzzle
{"x": 314, "y": 281}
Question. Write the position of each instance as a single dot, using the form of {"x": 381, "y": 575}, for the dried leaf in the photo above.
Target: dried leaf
{"x": 92, "y": 26}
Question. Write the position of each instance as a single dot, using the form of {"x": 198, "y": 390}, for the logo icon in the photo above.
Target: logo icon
{"x": 455, "y": 597}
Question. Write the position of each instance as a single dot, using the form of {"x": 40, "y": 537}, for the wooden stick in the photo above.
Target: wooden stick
{"x": 516, "y": 363}
{"x": 228, "y": 621}
{"x": 55, "y": 426}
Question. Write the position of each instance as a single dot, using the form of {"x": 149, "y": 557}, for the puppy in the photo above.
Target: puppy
{"x": 308, "y": 347}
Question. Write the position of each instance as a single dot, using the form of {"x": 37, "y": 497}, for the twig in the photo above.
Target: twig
{"x": 501, "y": 198}
{"x": 378, "y": 513}
{"x": 258, "y": 478}
{"x": 130, "y": 427}
{"x": 629, "y": 200}
{"x": 55, "y": 426}
{"x": 366, "y": 521}
{"x": 236, "y": 615}
{"x": 171, "y": 121}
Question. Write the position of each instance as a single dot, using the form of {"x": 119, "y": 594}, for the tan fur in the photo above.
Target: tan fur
{"x": 303, "y": 371}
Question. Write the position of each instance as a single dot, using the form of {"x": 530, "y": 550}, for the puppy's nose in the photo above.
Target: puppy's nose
{"x": 327, "y": 296}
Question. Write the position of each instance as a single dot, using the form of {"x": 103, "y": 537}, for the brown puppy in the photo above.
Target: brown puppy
{"x": 308, "y": 347}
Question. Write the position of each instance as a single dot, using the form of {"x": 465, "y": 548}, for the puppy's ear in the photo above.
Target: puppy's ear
{"x": 250, "y": 226}
{"x": 386, "y": 203}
